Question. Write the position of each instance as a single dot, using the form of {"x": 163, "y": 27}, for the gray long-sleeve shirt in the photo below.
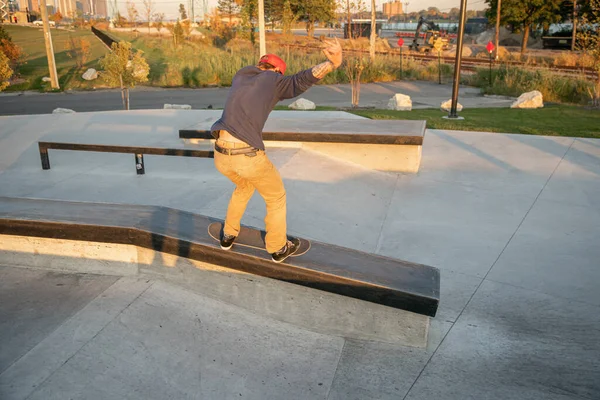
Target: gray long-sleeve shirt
{"x": 253, "y": 95}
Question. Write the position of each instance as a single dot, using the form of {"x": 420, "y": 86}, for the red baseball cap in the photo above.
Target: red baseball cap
{"x": 274, "y": 61}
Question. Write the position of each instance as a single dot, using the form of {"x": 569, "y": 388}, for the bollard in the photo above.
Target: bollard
{"x": 139, "y": 164}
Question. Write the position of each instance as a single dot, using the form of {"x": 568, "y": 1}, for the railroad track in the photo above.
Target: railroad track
{"x": 469, "y": 64}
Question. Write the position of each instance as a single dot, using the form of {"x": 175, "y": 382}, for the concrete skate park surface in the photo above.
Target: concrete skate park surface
{"x": 510, "y": 220}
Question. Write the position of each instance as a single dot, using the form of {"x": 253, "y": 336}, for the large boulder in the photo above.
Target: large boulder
{"x": 90, "y": 74}
{"x": 533, "y": 99}
{"x": 63, "y": 111}
{"x": 447, "y": 105}
{"x": 302, "y": 104}
{"x": 177, "y": 107}
{"x": 400, "y": 102}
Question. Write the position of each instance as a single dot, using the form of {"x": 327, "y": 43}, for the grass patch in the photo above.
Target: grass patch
{"x": 553, "y": 120}
{"x": 35, "y": 64}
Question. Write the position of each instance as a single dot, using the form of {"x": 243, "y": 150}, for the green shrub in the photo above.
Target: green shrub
{"x": 512, "y": 81}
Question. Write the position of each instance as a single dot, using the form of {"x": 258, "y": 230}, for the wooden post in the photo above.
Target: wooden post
{"x": 49, "y": 48}
{"x": 497, "y": 40}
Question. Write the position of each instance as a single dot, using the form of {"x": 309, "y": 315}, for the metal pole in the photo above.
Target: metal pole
{"x": 459, "y": 45}
{"x": 440, "y": 66}
{"x": 401, "y": 64}
{"x": 49, "y": 48}
{"x": 497, "y": 40}
{"x": 261, "y": 27}
{"x": 491, "y": 68}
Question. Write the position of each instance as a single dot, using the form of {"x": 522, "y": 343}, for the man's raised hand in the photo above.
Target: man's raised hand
{"x": 333, "y": 52}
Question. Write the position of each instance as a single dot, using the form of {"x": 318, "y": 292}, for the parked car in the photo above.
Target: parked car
{"x": 39, "y": 22}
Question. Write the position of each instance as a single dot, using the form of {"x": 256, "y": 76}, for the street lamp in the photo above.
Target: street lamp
{"x": 459, "y": 44}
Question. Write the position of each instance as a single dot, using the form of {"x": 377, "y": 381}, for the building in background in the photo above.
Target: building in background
{"x": 68, "y": 8}
{"x": 31, "y": 5}
{"x": 100, "y": 8}
{"x": 392, "y": 9}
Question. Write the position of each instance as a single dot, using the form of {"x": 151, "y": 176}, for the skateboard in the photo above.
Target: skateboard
{"x": 252, "y": 238}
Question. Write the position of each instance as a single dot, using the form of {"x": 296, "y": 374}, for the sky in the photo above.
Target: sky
{"x": 170, "y": 7}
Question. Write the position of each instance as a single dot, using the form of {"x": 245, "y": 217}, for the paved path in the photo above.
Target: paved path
{"x": 512, "y": 222}
{"x": 423, "y": 94}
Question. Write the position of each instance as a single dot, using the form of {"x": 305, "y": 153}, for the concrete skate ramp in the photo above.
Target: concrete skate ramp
{"x": 372, "y": 278}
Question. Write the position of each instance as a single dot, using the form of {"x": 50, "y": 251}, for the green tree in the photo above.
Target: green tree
{"x": 4, "y": 34}
{"x": 5, "y": 72}
{"x": 78, "y": 49}
{"x": 148, "y": 11}
{"x": 177, "y": 31}
{"x": 125, "y": 68}
{"x": 158, "y": 21}
{"x": 132, "y": 12}
{"x": 228, "y": 8}
{"x": 56, "y": 17}
{"x": 588, "y": 41}
{"x": 433, "y": 12}
{"x": 312, "y": 11}
{"x": 526, "y": 15}
{"x": 182, "y": 11}
{"x": 454, "y": 14}
{"x": 288, "y": 18}
{"x": 249, "y": 14}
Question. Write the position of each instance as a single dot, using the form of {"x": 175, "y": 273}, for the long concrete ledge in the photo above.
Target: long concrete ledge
{"x": 375, "y": 144}
{"x": 387, "y": 299}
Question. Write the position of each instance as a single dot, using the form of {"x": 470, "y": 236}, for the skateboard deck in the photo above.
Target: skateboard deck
{"x": 252, "y": 238}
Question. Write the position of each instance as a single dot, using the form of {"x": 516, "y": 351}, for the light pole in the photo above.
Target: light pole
{"x": 459, "y": 44}
{"x": 496, "y": 42}
{"x": 261, "y": 28}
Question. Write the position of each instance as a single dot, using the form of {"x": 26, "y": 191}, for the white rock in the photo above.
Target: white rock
{"x": 177, "y": 107}
{"x": 302, "y": 104}
{"x": 400, "y": 102}
{"x": 90, "y": 74}
{"x": 532, "y": 99}
{"x": 447, "y": 105}
{"x": 46, "y": 79}
{"x": 63, "y": 111}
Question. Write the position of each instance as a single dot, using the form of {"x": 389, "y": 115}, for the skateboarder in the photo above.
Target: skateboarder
{"x": 239, "y": 148}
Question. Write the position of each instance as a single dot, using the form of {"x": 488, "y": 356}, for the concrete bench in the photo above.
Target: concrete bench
{"x": 111, "y": 143}
{"x": 383, "y": 145}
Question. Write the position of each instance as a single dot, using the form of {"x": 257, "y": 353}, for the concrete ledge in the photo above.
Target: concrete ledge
{"x": 364, "y": 276}
{"x": 379, "y": 157}
{"x": 381, "y": 145}
{"x": 318, "y": 311}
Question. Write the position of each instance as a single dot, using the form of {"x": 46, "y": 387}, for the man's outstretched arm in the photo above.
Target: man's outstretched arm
{"x": 295, "y": 85}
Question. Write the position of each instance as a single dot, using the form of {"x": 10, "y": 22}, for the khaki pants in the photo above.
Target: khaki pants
{"x": 248, "y": 174}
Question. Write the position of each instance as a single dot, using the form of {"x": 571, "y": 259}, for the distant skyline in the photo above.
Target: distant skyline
{"x": 170, "y": 7}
